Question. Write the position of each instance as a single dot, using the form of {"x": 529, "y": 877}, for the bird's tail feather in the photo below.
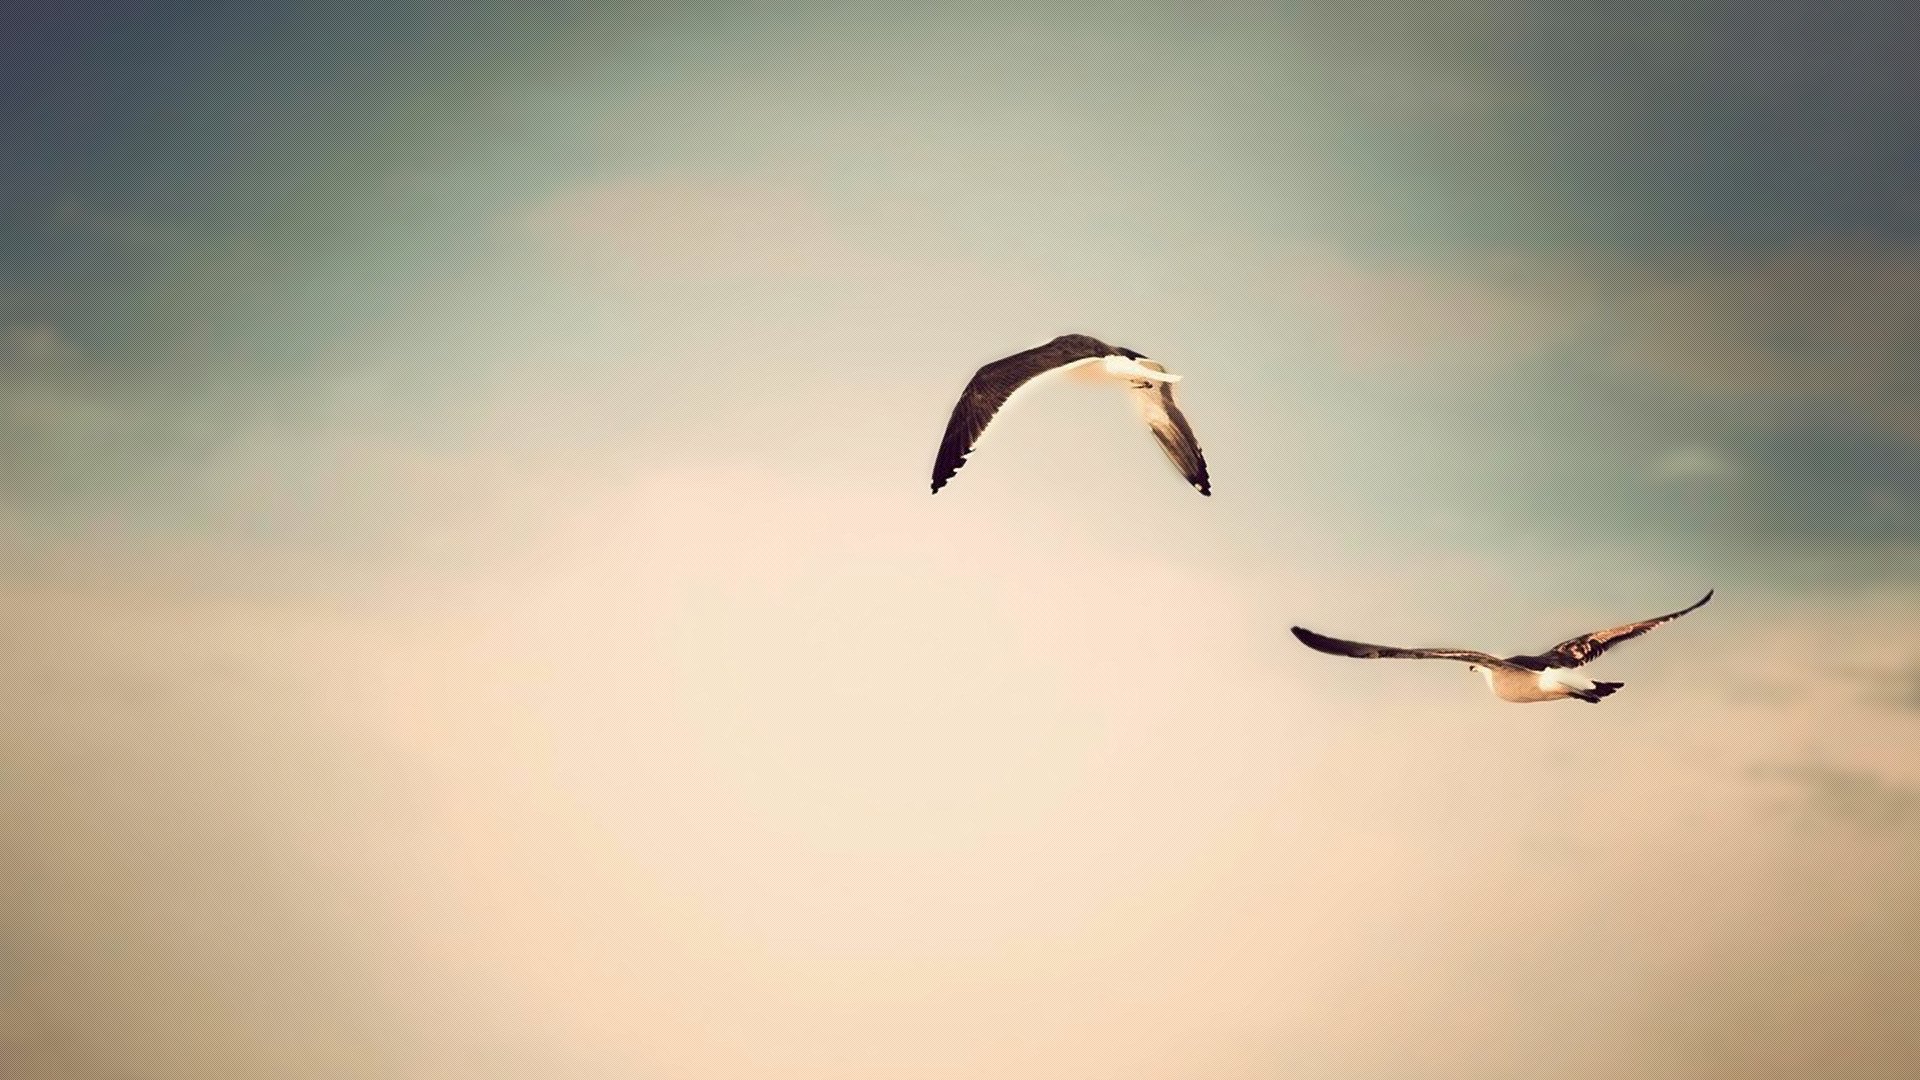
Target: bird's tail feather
{"x": 1598, "y": 690}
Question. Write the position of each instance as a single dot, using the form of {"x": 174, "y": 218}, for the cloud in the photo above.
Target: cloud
{"x": 1862, "y": 798}
{"x": 43, "y": 389}
{"x": 34, "y": 348}
{"x": 1418, "y": 60}
{"x": 1826, "y": 323}
{"x": 1893, "y": 685}
{"x": 1696, "y": 463}
{"x": 129, "y": 230}
{"x": 1475, "y": 314}
{"x": 683, "y": 229}
{"x": 1903, "y": 688}
{"x": 1817, "y": 325}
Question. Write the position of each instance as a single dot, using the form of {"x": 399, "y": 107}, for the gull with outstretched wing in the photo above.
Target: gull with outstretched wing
{"x": 1547, "y": 676}
{"x": 998, "y": 383}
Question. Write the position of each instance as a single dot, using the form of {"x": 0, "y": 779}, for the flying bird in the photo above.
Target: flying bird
{"x": 998, "y": 383}
{"x": 1546, "y": 676}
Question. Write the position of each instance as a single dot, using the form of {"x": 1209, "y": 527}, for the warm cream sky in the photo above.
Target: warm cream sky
{"x": 470, "y": 605}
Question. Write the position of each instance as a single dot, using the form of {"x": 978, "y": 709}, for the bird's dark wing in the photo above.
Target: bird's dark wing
{"x": 1584, "y": 649}
{"x": 1362, "y": 651}
{"x": 1171, "y": 429}
{"x": 990, "y": 388}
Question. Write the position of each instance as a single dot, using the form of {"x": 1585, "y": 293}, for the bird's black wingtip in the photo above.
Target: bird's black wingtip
{"x": 1305, "y": 635}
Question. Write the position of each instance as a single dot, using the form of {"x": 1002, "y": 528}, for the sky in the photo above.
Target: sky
{"x": 470, "y": 603}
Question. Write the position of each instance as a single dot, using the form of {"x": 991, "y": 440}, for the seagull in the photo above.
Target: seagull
{"x": 1547, "y": 676}
{"x": 994, "y": 385}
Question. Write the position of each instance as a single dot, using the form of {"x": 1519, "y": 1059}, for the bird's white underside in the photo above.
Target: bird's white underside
{"x": 1552, "y": 682}
{"x": 1553, "y": 677}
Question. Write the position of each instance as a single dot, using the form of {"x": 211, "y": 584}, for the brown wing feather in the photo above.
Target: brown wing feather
{"x": 1171, "y": 430}
{"x": 1360, "y": 650}
{"x": 1586, "y": 648}
{"x": 990, "y": 388}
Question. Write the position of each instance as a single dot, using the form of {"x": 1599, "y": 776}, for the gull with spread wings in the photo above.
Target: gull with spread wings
{"x": 998, "y": 383}
{"x": 1547, "y": 676}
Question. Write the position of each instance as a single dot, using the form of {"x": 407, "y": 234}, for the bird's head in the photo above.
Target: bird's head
{"x": 1476, "y": 668}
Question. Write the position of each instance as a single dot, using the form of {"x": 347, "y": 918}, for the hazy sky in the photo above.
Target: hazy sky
{"x": 470, "y": 604}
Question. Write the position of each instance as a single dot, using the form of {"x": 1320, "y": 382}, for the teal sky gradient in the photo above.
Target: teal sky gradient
{"x": 1424, "y": 195}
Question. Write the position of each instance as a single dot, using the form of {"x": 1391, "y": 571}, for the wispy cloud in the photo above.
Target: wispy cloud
{"x": 131, "y": 230}
{"x": 1477, "y": 315}
{"x": 1817, "y": 323}
{"x": 1862, "y": 798}
{"x": 43, "y": 391}
{"x": 1896, "y": 684}
{"x": 1696, "y": 463}
{"x": 34, "y": 348}
{"x": 1808, "y": 325}
{"x": 678, "y": 228}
